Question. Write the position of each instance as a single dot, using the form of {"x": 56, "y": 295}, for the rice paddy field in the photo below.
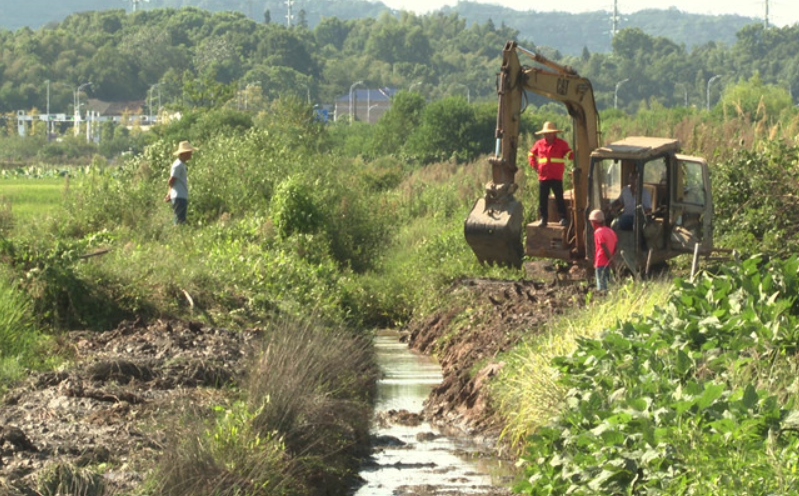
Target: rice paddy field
{"x": 26, "y": 198}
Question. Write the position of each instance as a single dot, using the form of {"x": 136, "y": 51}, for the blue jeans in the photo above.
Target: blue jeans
{"x": 602, "y": 276}
{"x": 180, "y": 206}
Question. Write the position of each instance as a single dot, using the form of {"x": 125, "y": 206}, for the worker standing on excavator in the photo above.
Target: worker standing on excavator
{"x": 548, "y": 156}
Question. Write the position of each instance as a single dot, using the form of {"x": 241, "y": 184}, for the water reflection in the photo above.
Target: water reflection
{"x": 413, "y": 456}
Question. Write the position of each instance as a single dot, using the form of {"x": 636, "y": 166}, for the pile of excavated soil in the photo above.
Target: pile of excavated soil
{"x": 115, "y": 403}
{"x": 496, "y": 315}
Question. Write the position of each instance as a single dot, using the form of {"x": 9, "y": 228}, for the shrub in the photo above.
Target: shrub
{"x": 753, "y": 195}
{"x": 293, "y": 209}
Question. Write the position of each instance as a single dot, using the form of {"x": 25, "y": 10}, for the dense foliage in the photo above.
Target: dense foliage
{"x": 570, "y": 33}
{"x": 696, "y": 399}
{"x": 190, "y": 57}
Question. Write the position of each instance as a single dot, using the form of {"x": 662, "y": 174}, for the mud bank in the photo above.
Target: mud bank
{"x": 490, "y": 318}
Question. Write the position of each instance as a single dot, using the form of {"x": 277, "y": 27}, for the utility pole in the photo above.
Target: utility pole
{"x": 289, "y": 16}
{"x": 765, "y": 18}
{"x": 136, "y": 4}
{"x": 709, "y": 82}
{"x": 614, "y": 20}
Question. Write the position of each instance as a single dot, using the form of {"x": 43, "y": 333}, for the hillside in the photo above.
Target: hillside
{"x": 568, "y": 33}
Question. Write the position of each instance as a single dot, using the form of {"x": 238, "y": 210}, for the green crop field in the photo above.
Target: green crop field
{"x": 26, "y": 198}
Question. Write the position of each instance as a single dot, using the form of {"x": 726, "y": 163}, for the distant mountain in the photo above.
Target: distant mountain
{"x": 567, "y": 33}
{"x": 570, "y": 33}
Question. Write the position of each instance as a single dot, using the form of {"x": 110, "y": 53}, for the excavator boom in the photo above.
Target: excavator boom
{"x": 493, "y": 228}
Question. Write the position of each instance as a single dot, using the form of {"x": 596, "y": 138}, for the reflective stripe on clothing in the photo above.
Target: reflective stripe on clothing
{"x": 550, "y": 160}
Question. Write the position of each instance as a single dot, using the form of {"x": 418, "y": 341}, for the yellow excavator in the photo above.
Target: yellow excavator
{"x": 673, "y": 211}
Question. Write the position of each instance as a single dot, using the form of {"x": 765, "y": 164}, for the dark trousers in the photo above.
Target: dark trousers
{"x": 544, "y": 188}
{"x": 180, "y": 206}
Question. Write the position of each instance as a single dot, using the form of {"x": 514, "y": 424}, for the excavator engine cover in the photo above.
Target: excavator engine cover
{"x": 494, "y": 231}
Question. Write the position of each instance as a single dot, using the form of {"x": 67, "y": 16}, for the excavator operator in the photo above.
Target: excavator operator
{"x": 548, "y": 156}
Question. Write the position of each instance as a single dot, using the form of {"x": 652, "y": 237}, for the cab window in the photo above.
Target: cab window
{"x": 690, "y": 187}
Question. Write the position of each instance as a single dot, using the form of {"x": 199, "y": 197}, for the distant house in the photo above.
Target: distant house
{"x": 367, "y": 105}
{"x": 115, "y": 111}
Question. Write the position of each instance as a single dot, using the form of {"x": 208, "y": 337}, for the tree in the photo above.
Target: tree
{"x": 397, "y": 123}
{"x": 756, "y": 100}
{"x": 206, "y": 91}
{"x": 448, "y": 130}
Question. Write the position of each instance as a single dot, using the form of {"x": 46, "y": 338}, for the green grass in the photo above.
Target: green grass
{"x": 30, "y": 198}
{"x": 527, "y": 392}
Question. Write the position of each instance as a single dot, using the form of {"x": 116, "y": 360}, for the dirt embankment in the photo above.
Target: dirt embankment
{"x": 115, "y": 405}
{"x": 470, "y": 337}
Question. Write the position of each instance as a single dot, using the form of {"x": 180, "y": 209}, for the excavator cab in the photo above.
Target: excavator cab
{"x": 673, "y": 211}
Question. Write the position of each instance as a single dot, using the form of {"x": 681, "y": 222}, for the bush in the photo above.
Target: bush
{"x": 293, "y": 209}
{"x": 448, "y": 131}
{"x": 201, "y": 126}
{"x": 754, "y": 199}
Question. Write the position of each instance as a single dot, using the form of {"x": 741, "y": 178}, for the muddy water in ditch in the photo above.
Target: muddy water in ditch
{"x": 419, "y": 459}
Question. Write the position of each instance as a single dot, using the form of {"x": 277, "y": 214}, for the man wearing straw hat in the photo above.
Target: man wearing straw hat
{"x": 178, "y": 183}
{"x": 548, "y": 156}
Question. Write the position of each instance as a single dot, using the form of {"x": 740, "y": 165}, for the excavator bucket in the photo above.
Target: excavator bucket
{"x": 494, "y": 231}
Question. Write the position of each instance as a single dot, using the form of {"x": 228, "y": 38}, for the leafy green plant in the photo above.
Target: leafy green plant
{"x": 293, "y": 208}
{"x": 753, "y": 194}
{"x": 650, "y": 408}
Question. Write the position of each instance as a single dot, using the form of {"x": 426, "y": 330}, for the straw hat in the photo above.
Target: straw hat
{"x": 596, "y": 216}
{"x": 184, "y": 147}
{"x": 549, "y": 127}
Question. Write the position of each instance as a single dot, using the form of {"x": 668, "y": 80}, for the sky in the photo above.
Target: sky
{"x": 781, "y": 12}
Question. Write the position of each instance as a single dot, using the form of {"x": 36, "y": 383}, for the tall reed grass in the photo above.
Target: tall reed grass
{"x": 527, "y": 393}
{"x": 301, "y": 427}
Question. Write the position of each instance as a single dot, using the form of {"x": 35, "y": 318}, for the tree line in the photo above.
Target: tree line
{"x": 201, "y": 59}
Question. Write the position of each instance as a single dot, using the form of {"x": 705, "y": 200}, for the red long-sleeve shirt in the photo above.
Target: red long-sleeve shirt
{"x": 550, "y": 160}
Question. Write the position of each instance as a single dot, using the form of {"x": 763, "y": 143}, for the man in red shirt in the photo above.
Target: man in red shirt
{"x": 604, "y": 248}
{"x": 548, "y": 156}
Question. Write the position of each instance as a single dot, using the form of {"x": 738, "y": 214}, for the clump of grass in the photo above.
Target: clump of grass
{"x": 319, "y": 384}
{"x": 527, "y": 393}
{"x": 300, "y": 430}
{"x": 61, "y": 478}
{"x": 19, "y": 337}
{"x": 227, "y": 458}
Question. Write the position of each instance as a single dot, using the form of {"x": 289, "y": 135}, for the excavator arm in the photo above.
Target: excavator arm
{"x": 493, "y": 228}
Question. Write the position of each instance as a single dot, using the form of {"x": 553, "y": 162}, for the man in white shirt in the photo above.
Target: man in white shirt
{"x": 178, "y": 183}
{"x": 627, "y": 198}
